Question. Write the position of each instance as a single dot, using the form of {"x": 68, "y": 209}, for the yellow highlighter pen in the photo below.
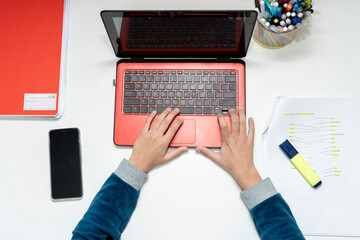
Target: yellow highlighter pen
{"x": 299, "y": 162}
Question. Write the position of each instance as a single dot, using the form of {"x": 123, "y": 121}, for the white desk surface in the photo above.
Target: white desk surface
{"x": 190, "y": 198}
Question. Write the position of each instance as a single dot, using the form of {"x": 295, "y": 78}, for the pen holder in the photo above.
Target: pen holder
{"x": 269, "y": 38}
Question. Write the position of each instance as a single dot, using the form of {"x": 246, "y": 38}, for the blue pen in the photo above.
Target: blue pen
{"x": 269, "y": 9}
{"x": 278, "y": 13}
{"x": 295, "y": 20}
{"x": 295, "y": 6}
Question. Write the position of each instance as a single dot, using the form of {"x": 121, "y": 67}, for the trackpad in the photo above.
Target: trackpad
{"x": 186, "y": 133}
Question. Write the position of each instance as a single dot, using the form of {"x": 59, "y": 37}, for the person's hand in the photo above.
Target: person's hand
{"x": 150, "y": 149}
{"x": 236, "y": 154}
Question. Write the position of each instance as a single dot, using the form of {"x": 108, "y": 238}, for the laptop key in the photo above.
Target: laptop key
{"x": 136, "y": 109}
{"x": 175, "y": 102}
{"x": 135, "y": 78}
{"x": 129, "y": 85}
{"x": 127, "y": 78}
{"x": 232, "y": 86}
{"x": 198, "y": 102}
{"x": 156, "y": 94}
{"x": 206, "y": 102}
{"x": 223, "y": 102}
{"x": 160, "y": 109}
{"x": 230, "y": 79}
{"x": 151, "y": 109}
{"x": 138, "y": 86}
{"x": 148, "y": 94}
{"x": 146, "y": 86}
{"x": 154, "y": 86}
{"x": 127, "y": 109}
{"x": 216, "y": 110}
{"x": 198, "y": 110}
{"x": 151, "y": 101}
{"x": 167, "y": 102}
{"x": 131, "y": 101}
{"x": 144, "y": 101}
{"x": 186, "y": 110}
{"x": 144, "y": 109}
{"x": 207, "y": 110}
{"x": 142, "y": 78}
{"x": 183, "y": 102}
{"x": 150, "y": 78}
{"x": 171, "y": 94}
{"x": 129, "y": 93}
{"x": 229, "y": 94}
{"x": 140, "y": 93}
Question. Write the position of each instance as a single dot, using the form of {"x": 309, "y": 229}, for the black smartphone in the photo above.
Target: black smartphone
{"x": 65, "y": 164}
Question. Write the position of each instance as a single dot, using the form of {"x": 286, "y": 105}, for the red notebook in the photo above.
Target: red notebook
{"x": 32, "y": 58}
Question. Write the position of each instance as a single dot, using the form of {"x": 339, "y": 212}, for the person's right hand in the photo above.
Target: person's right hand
{"x": 150, "y": 149}
{"x": 236, "y": 154}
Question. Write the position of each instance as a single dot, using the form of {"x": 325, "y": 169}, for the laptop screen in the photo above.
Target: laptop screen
{"x": 179, "y": 33}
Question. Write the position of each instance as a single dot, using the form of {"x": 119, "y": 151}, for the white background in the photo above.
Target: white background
{"x": 190, "y": 198}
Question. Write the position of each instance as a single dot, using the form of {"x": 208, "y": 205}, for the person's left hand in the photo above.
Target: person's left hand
{"x": 150, "y": 149}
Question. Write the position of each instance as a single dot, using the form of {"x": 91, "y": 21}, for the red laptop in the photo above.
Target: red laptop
{"x": 180, "y": 59}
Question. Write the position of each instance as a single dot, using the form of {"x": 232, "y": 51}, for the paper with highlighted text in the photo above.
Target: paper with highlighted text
{"x": 325, "y": 131}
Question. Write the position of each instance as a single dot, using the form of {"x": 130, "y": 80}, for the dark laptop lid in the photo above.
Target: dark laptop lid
{"x": 179, "y": 34}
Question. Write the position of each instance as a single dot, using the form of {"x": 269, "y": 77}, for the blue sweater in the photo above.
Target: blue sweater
{"x": 112, "y": 207}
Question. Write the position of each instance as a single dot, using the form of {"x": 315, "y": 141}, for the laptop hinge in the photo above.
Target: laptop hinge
{"x": 137, "y": 59}
{"x": 223, "y": 59}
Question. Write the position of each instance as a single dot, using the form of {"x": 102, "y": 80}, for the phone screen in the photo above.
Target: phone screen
{"x": 65, "y": 164}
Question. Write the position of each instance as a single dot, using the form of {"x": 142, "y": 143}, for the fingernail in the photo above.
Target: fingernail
{"x": 181, "y": 119}
{"x": 168, "y": 109}
{"x": 154, "y": 111}
{"x": 197, "y": 150}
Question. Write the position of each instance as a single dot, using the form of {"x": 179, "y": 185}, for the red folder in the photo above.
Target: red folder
{"x": 31, "y": 64}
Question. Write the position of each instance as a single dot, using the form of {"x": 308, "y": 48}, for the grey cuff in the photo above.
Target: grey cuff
{"x": 130, "y": 174}
{"x": 258, "y": 193}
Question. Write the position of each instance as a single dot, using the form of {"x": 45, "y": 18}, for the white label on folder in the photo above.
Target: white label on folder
{"x": 45, "y": 101}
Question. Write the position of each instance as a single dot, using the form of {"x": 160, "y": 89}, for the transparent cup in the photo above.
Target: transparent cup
{"x": 269, "y": 38}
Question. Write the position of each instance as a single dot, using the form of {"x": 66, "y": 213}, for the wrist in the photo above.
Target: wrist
{"x": 248, "y": 178}
{"x": 139, "y": 165}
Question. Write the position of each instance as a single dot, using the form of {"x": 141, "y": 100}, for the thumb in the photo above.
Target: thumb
{"x": 174, "y": 153}
{"x": 215, "y": 157}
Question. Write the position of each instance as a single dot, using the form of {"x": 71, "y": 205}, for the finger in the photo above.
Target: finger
{"x": 242, "y": 120}
{"x": 215, "y": 157}
{"x": 160, "y": 118}
{"x": 235, "y": 125}
{"x": 149, "y": 120}
{"x": 251, "y": 132}
{"x": 168, "y": 120}
{"x": 223, "y": 128}
{"x": 175, "y": 153}
{"x": 173, "y": 129}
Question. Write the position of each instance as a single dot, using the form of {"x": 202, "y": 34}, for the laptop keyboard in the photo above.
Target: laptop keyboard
{"x": 207, "y": 92}
{"x": 184, "y": 32}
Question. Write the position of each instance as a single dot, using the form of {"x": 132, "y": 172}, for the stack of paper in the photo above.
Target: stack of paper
{"x": 326, "y": 132}
{"x": 33, "y": 57}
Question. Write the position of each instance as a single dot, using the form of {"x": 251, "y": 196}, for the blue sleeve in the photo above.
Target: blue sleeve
{"x": 109, "y": 212}
{"x": 273, "y": 219}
